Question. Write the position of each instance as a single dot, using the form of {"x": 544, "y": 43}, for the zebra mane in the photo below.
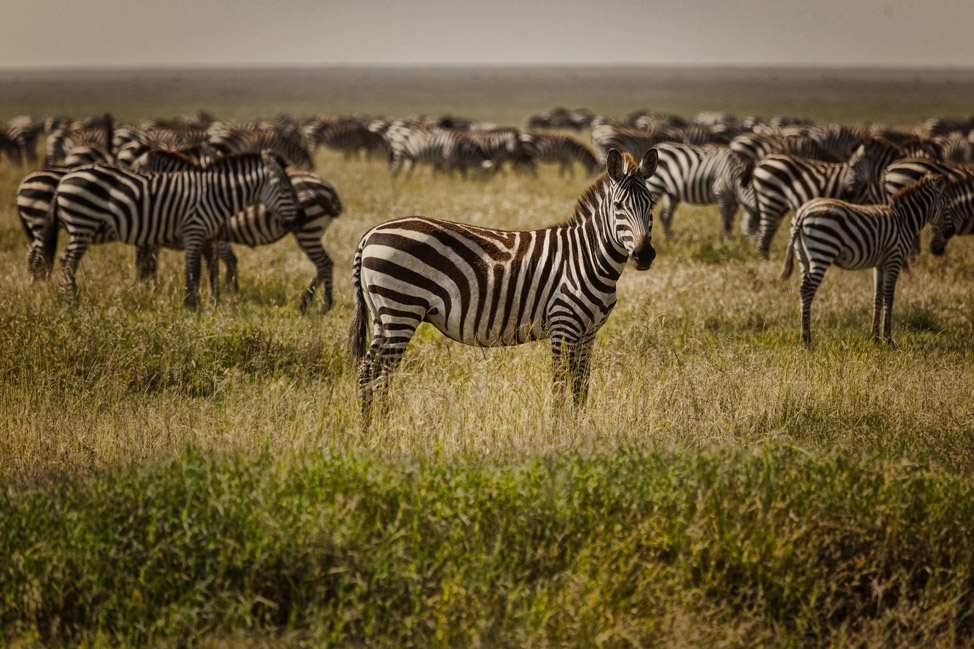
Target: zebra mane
{"x": 588, "y": 203}
{"x": 233, "y": 160}
{"x": 906, "y": 192}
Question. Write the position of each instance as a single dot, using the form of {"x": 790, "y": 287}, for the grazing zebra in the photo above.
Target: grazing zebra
{"x": 178, "y": 210}
{"x": 755, "y": 146}
{"x": 784, "y": 182}
{"x": 487, "y": 287}
{"x": 702, "y": 176}
{"x": 550, "y": 148}
{"x": 827, "y": 231}
{"x": 445, "y": 149}
{"x": 348, "y": 136}
{"x": 607, "y": 135}
{"x": 254, "y": 226}
{"x": 227, "y": 139}
{"x": 34, "y": 196}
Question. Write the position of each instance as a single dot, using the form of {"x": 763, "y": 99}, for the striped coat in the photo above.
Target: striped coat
{"x": 177, "y": 210}
{"x": 830, "y": 232}
{"x": 487, "y": 287}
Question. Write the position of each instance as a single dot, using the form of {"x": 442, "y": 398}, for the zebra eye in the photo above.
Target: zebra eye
{"x": 617, "y": 205}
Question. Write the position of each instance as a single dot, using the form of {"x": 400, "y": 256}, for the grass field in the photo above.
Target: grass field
{"x": 169, "y": 476}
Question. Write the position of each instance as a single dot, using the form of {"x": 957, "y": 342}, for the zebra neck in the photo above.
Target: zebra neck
{"x": 232, "y": 190}
{"x": 593, "y": 243}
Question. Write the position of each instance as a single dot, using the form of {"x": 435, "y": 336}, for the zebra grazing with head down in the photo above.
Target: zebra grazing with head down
{"x": 855, "y": 237}
{"x": 702, "y": 176}
{"x": 488, "y": 287}
{"x": 225, "y": 139}
{"x": 561, "y": 149}
{"x": 178, "y": 210}
{"x": 445, "y": 149}
{"x": 254, "y": 227}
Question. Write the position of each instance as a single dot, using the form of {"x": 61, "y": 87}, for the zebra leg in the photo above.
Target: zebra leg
{"x": 889, "y": 287}
{"x": 728, "y": 208}
{"x": 212, "y": 267}
{"x": 811, "y": 280}
{"x": 570, "y": 369}
{"x": 230, "y": 281}
{"x": 366, "y": 380}
{"x": 667, "y": 207}
{"x": 194, "y": 248}
{"x": 70, "y": 259}
{"x": 878, "y": 299}
{"x": 146, "y": 262}
{"x": 323, "y": 265}
{"x": 770, "y": 220}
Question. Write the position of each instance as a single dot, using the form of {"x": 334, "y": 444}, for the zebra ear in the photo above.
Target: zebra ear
{"x": 647, "y": 166}
{"x": 614, "y": 165}
{"x": 269, "y": 158}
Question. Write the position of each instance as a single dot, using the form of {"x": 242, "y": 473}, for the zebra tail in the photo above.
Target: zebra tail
{"x": 789, "y": 255}
{"x": 357, "y": 328}
{"x": 41, "y": 258}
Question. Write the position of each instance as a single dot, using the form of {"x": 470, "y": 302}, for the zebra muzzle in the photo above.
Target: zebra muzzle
{"x": 642, "y": 255}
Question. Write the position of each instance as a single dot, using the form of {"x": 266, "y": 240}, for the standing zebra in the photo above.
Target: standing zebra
{"x": 827, "y": 231}
{"x": 958, "y": 212}
{"x": 784, "y": 182}
{"x": 255, "y": 226}
{"x": 702, "y": 176}
{"x": 487, "y": 287}
{"x": 178, "y": 210}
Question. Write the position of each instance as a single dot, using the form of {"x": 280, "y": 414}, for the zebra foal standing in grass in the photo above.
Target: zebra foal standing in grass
{"x": 855, "y": 237}
{"x": 701, "y": 176}
{"x": 177, "y": 210}
{"x": 487, "y": 287}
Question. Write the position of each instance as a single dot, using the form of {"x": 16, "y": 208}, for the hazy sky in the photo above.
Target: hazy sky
{"x": 895, "y": 33}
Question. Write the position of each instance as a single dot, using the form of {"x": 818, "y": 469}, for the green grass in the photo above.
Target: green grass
{"x": 200, "y": 478}
{"x": 626, "y": 548}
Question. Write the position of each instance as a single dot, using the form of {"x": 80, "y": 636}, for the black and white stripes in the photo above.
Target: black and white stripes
{"x": 179, "y": 210}
{"x": 855, "y": 237}
{"x": 489, "y": 287}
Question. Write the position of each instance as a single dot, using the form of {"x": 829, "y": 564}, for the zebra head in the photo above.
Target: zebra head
{"x": 943, "y": 221}
{"x": 631, "y": 204}
{"x": 277, "y": 193}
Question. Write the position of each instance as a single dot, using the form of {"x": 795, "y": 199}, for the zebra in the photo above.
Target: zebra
{"x": 224, "y": 139}
{"x": 178, "y": 210}
{"x": 784, "y": 182}
{"x": 349, "y": 136}
{"x": 445, "y": 149}
{"x": 908, "y": 171}
{"x": 488, "y": 287}
{"x": 959, "y": 213}
{"x": 36, "y": 193}
{"x": 828, "y": 231}
{"x": 254, "y": 226}
{"x": 700, "y": 176}
{"x": 551, "y": 148}
{"x": 607, "y": 134}
{"x": 755, "y": 146}
{"x": 86, "y": 154}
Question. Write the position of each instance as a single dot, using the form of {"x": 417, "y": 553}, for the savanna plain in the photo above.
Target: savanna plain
{"x": 200, "y": 478}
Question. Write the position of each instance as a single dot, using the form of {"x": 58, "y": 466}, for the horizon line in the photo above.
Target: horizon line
{"x": 309, "y": 67}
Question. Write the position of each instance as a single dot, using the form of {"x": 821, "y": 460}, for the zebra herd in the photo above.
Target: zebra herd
{"x": 860, "y": 196}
